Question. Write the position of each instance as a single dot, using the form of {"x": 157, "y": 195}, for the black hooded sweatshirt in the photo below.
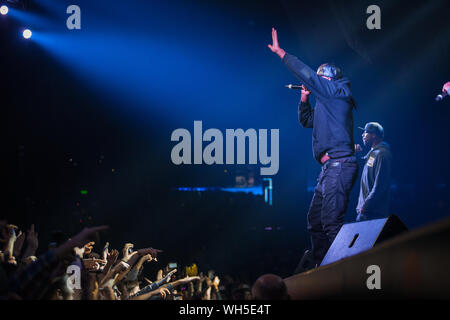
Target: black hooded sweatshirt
{"x": 332, "y": 116}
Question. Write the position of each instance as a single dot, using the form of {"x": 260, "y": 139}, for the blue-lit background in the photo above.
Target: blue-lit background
{"x": 94, "y": 109}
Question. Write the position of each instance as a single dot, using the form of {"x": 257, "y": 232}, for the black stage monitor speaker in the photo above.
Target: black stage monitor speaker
{"x": 354, "y": 238}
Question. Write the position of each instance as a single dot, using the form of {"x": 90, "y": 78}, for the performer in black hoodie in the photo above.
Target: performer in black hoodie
{"x": 333, "y": 145}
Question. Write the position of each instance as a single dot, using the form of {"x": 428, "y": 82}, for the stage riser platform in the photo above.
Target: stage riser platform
{"x": 413, "y": 265}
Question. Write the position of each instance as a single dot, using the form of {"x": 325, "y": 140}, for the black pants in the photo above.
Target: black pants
{"x": 329, "y": 204}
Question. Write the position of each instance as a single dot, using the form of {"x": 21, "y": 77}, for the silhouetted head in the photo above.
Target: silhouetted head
{"x": 270, "y": 287}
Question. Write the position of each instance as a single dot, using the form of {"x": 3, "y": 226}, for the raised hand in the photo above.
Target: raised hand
{"x": 29, "y": 259}
{"x": 126, "y": 252}
{"x": 164, "y": 292}
{"x": 91, "y": 264}
{"x": 111, "y": 259}
{"x": 112, "y": 256}
{"x": 80, "y": 239}
{"x": 105, "y": 250}
{"x": 216, "y": 283}
{"x": 146, "y": 258}
{"x": 88, "y": 247}
{"x": 159, "y": 275}
{"x": 151, "y": 251}
{"x": 169, "y": 275}
{"x": 86, "y": 234}
{"x": 275, "y": 46}
{"x": 8, "y": 231}
{"x": 9, "y": 248}
{"x": 79, "y": 252}
{"x": 142, "y": 260}
{"x": 208, "y": 282}
{"x": 32, "y": 242}
{"x": 19, "y": 244}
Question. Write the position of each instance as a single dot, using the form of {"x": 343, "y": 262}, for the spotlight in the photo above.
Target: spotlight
{"x": 27, "y": 33}
{"x": 4, "y": 10}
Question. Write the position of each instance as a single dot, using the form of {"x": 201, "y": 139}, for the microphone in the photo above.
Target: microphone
{"x": 441, "y": 96}
{"x": 294, "y": 87}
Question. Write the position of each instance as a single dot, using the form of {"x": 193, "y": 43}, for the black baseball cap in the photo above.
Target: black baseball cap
{"x": 375, "y": 128}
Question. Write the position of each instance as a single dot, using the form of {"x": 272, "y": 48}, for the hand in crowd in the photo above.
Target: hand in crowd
{"x": 127, "y": 252}
{"x": 159, "y": 275}
{"x": 170, "y": 274}
{"x": 164, "y": 292}
{"x": 150, "y": 251}
{"x": 19, "y": 244}
{"x": 32, "y": 239}
{"x": 112, "y": 256}
{"x": 88, "y": 247}
{"x": 216, "y": 283}
{"x": 93, "y": 264}
{"x": 84, "y": 250}
{"x": 85, "y": 236}
{"x": 105, "y": 251}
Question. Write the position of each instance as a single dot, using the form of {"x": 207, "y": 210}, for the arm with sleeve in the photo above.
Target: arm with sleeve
{"x": 305, "y": 114}
{"x": 319, "y": 87}
{"x": 382, "y": 181}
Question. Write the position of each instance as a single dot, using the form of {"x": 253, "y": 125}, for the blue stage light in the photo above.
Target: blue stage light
{"x": 4, "y": 10}
{"x": 27, "y": 34}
